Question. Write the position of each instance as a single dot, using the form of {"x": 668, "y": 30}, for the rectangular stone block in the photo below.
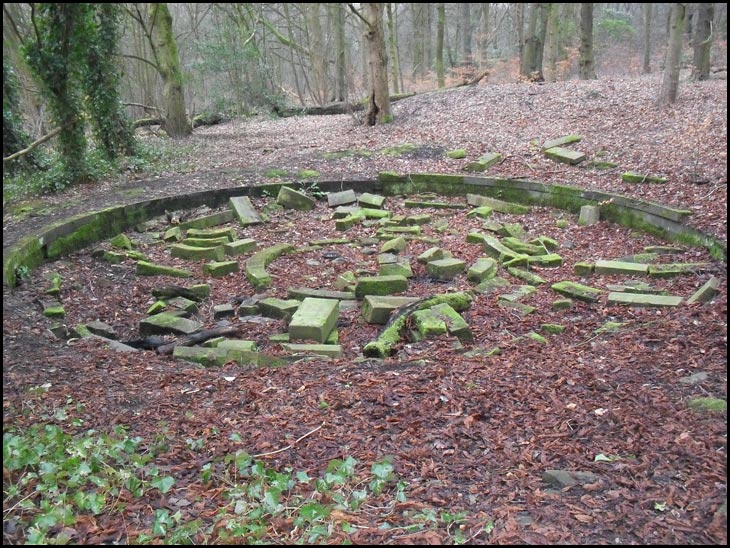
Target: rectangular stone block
{"x": 271, "y": 307}
{"x": 293, "y": 199}
{"x": 191, "y": 253}
{"x": 705, "y": 293}
{"x": 239, "y": 247}
{"x": 380, "y": 285}
{"x": 482, "y": 269}
{"x": 302, "y": 293}
{"x": 220, "y": 268}
{"x": 211, "y": 233}
{"x": 560, "y": 141}
{"x": 377, "y": 309}
{"x": 455, "y": 323}
{"x": 207, "y": 221}
{"x": 478, "y": 200}
{"x": 564, "y": 155}
{"x": 577, "y": 291}
{"x": 373, "y": 201}
{"x": 484, "y": 162}
{"x": 620, "y": 267}
{"x": 345, "y": 197}
{"x": 589, "y": 215}
{"x": 329, "y": 350}
{"x": 165, "y": 324}
{"x": 314, "y": 319}
{"x": 642, "y": 299}
{"x": 445, "y": 269}
{"x": 244, "y": 211}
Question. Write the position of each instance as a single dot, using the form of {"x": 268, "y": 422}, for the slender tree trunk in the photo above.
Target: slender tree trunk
{"x": 670, "y": 81}
{"x": 466, "y": 32}
{"x": 520, "y": 28}
{"x": 393, "y": 48}
{"x": 552, "y": 43}
{"x": 318, "y": 55}
{"x": 646, "y": 64}
{"x": 702, "y": 43}
{"x": 340, "y": 55}
{"x": 484, "y": 36}
{"x": 440, "y": 24}
{"x": 418, "y": 68}
{"x": 379, "y": 110}
{"x": 586, "y": 63}
{"x": 427, "y": 41}
{"x": 527, "y": 60}
{"x": 543, "y": 11}
{"x": 168, "y": 64}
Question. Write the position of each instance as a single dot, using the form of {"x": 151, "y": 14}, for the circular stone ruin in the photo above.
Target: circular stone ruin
{"x": 419, "y": 264}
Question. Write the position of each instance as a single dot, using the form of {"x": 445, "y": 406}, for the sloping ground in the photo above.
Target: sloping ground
{"x": 467, "y": 432}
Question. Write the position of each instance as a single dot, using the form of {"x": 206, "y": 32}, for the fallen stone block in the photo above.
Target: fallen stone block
{"x": 635, "y": 177}
{"x": 564, "y": 155}
{"x": 244, "y": 211}
{"x": 497, "y": 205}
{"x": 482, "y": 269}
{"x": 205, "y": 242}
{"x": 380, "y": 285}
{"x": 445, "y": 269}
{"x": 577, "y": 291}
{"x": 328, "y": 350}
{"x": 484, "y": 162}
{"x": 560, "y": 141}
{"x": 705, "y": 293}
{"x": 293, "y": 199}
{"x": 150, "y": 269}
{"x": 314, "y": 319}
{"x": 218, "y": 269}
{"x": 589, "y": 215}
{"x": 239, "y": 247}
{"x": 620, "y": 267}
{"x": 271, "y": 307}
{"x": 190, "y": 253}
{"x": 335, "y": 199}
{"x": 207, "y": 221}
{"x": 237, "y": 344}
{"x": 377, "y": 309}
{"x": 165, "y": 324}
{"x": 372, "y": 201}
{"x": 639, "y": 299}
{"x": 455, "y": 323}
{"x": 211, "y": 233}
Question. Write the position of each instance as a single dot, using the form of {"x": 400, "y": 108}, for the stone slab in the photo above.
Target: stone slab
{"x": 328, "y": 350}
{"x": 377, "y": 309}
{"x": 244, "y": 211}
{"x": 564, "y": 155}
{"x": 335, "y": 199}
{"x": 314, "y": 319}
{"x": 373, "y": 201}
{"x": 304, "y": 292}
{"x": 620, "y": 267}
{"x": 445, "y": 269}
{"x": 577, "y": 291}
{"x": 165, "y": 324}
{"x": 271, "y": 307}
{"x": 478, "y": 200}
{"x": 705, "y": 293}
{"x": 239, "y": 247}
{"x": 380, "y": 285}
{"x": 643, "y": 299}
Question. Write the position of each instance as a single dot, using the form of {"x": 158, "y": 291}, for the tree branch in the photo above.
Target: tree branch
{"x": 33, "y": 145}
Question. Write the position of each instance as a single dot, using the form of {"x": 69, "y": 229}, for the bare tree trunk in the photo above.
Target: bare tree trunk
{"x": 168, "y": 64}
{"x": 646, "y": 64}
{"x": 440, "y": 24}
{"x": 586, "y": 63}
{"x": 670, "y": 81}
{"x": 340, "y": 56}
{"x": 466, "y": 32}
{"x": 552, "y": 43}
{"x": 484, "y": 36}
{"x": 702, "y": 43}
{"x": 393, "y": 47}
{"x": 418, "y": 68}
{"x": 379, "y": 110}
{"x": 527, "y": 58}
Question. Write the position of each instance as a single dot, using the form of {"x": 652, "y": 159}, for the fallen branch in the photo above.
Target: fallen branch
{"x": 200, "y": 336}
{"x": 290, "y": 445}
{"x": 31, "y": 146}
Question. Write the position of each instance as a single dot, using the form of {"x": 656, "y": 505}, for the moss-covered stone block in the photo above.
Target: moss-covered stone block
{"x": 257, "y": 263}
{"x": 396, "y": 269}
{"x": 552, "y": 328}
{"x": 173, "y": 234}
{"x": 205, "y": 242}
{"x": 207, "y": 357}
{"x": 589, "y": 215}
{"x": 314, "y": 319}
{"x": 207, "y": 221}
{"x": 562, "y": 304}
{"x": 327, "y": 350}
{"x": 522, "y": 247}
{"x": 445, "y": 269}
{"x": 564, "y": 155}
{"x": 636, "y": 177}
{"x": 577, "y": 291}
{"x": 239, "y": 247}
{"x": 272, "y": 307}
{"x": 483, "y": 212}
{"x": 121, "y": 241}
{"x": 151, "y": 269}
{"x": 211, "y": 234}
{"x": 431, "y": 254}
{"x": 377, "y": 309}
{"x": 394, "y": 245}
{"x": 639, "y": 299}
{"x": 583, "y": 269}
{"x": 561, "y": 141}
{"x": 492, "y": 284}
{"x": 380, "y": 285}
{"x": 165, "y": 324}
{"x": 620, "y": 267}
{"x": 344, "y": 197}
{"x": 54, "y": 311}
{"x": 218, "y": 269}
{"x": 237, "y": 344}
{"x": 483, "y": 269}
{"x": 527, "y": 276}
{"x": 191, "y": 253}
{"x": 371, "y": 201}
{"x": 455, "y": 323}
{"x": 548, "y": 243}
{"x": 706, "y": 293}
{"x": 456, "y": 154}
{"x": 676, "y": 269}
{"x": 428, "y": 324}
{"x": 484, "y": 162}
{"x": 478, "y": 200}
{"x": 293, "y": 199}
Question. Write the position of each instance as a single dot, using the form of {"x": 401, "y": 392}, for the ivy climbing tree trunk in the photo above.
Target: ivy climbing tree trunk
{"x": 55, "y": 54}
{"x": 586, "y": 63}
{"x": 670, "y": 80}
{"x": 168, "y": 65}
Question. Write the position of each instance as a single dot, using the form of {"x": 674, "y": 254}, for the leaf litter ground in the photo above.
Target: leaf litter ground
{"x": 467, "y": 432}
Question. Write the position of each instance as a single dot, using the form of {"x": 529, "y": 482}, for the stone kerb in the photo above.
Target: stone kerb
{"x": 76, "y": 232}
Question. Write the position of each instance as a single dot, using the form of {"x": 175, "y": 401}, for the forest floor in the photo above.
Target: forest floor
{"x": 470, "y": 433}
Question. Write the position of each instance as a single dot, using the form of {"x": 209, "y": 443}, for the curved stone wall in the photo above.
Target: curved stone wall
{"x": 77, "y": 232}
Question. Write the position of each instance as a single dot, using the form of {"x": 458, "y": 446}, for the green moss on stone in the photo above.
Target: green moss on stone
{"x": 711, "y": 405}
